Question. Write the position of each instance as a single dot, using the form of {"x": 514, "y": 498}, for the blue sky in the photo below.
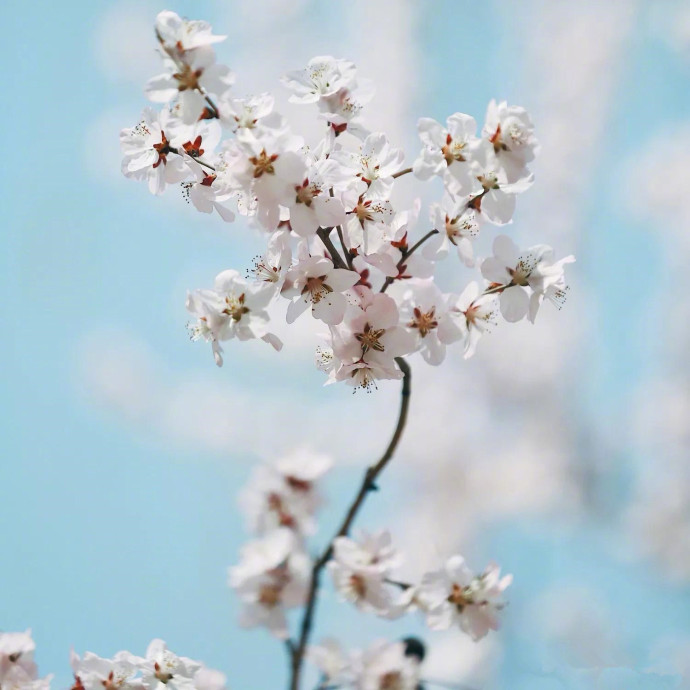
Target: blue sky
{"x": 114, "y": 535}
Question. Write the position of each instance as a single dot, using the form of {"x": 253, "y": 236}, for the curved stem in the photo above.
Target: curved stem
{"x": 324, "y": 235}
{"x": 368, "y": 484}
{"x": 406, "y": 255}
{"x": 400, "y": 173}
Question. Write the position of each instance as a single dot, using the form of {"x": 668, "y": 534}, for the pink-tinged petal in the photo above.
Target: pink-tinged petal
{"x": 534, "y": 304}
{"x": 384, "y": 262}
{"x": 495, "y": 271}
{"x": 506, "y": 250}
{"x": 329, "y": 211}
{"x": 330, "y": 309}
{"x": 273, "y": 340}
{"x": 431, "y": 132}
{"x": 440, "y": 618}
{"x": 435, "y": 351}
{"x": 465, "y": 252}
{"x": 514, "y": 304}
{"x": 448, "y": 331}
{"x": 428, "y": 163}
{"x": 473, "y": 336}
{"x": 157, "y": 180}
{"x": 296, "y": 309}
{"x": 498, "y": 206}
{"x": 161, "y": 88}
{"x": 303, "y": 220}
{"x": 225, "y": 213}
{"x": 462, "y": 126}
{"x": 341, "y": 279}
{"x": 382, "y": 312}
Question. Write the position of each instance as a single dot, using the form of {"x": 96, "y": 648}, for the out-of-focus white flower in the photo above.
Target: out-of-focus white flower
{"x": 360, "y": 569}
{"x": 455, "y": 595}
{"x": 184, "y": 34}
{"x": 18, "y": 671}
{"x": 332, "y": 661}
{"x": 385, "y": 666}
{"x": 324, "y": 76}
{"x": 286, "y": 494}
{"x": 271, "y": 577}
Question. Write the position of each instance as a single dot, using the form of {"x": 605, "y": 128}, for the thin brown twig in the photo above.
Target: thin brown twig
{"x": 348, "y": 255}
{"x": 176, "y": 151}
{"x": 368, "y": 484}
{"x": 406, "y": 255}
{"x": 400, "y": 173}
{"x": 325, "y": 236}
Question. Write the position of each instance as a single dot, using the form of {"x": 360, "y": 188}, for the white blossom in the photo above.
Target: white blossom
{"x": 510, "y": 131}
{"x": 360, "y": 568}
{"x": 270, "y": 578}
{"x": 473, "y": 313}
{"x": 182, "y": 34}
{"x": 147, "y": 154}
{"x": 496, "y": 197}
{"x": 454, "y": 595}
{"x": 385, "y": 666}
{"x": 424, "y": 312}
{"x": 324, "y": 76}
{"x": 374, "y": 163}
{"x": 234, "y": 308}
{"x": 314, "y": 281}
{"x": 448, "y": 150}
{"x": 511, "y": 271}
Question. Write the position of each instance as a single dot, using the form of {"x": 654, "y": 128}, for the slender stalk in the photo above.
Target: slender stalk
{"x": 348, "y": 256}
{"x": 176, "y": 151}
{"x": 325, "y": 236}
{"x": 406, "y": 255}
{"x": 400, "y": 173}
{"x": 368, "y": 484}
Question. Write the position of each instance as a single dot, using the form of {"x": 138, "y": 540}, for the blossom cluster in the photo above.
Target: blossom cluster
{"x": 280, "y": 502}
{"x": 158, "y": 670}
{"x": 272, "y": 577}
{"x": 335, "y": 245}
{"x": 363, "y": 574}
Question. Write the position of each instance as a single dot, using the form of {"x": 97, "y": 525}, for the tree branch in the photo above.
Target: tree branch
{"x": 368, "y": 484}
{"x": 406, "y": 255}
{"x": 400, "y": 173}
{"x": 324, "y": 236}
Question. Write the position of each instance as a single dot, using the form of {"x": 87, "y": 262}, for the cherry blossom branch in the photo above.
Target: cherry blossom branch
{"x": 400, "y": 173}
{"x": 368, "y": 484}
{"x": 324, "y": 236}
{"x": 176, "y": 151}
{"x": 406, "y": 255}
